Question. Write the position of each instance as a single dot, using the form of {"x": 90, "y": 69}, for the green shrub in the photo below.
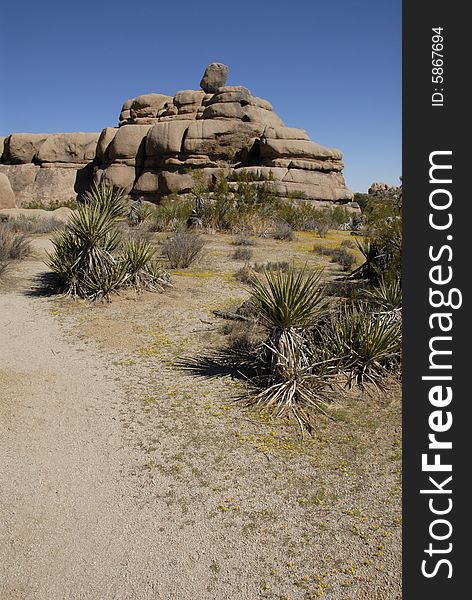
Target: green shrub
{"x": 86, "y": 256}
{"x": 361, "y": 345}
{"x": 171, "y": 214}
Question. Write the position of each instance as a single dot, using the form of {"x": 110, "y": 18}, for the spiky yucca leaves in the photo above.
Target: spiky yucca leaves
{"x": 387, "y": 294}
{"x": 111, "y": 199}
{"x": 287, "y": 304}
{"x": 362, "y": 345}
{"x": 83, "y": 251}
{"x": 288, "y": 299}
{"x": 144, "y": 272}
{"x": 293, "y": 383}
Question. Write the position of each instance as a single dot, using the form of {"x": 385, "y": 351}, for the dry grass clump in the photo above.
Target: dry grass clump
{"x": 244, "y": 254}
{"x": 339, "y": 255}
{"x": 13, "y": 246}
{"x": 244, "y": 240}
{"x": 283, "y": 231}
{"x": 182, "y": 249}
{"x": 34, "y": 225}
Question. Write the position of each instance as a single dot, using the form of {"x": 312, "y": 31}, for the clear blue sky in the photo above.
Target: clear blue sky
{"x": 332, "y": 68}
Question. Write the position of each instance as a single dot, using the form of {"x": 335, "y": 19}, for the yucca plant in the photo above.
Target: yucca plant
{"x": 111, "y": 199}
{"x": 287, "y": 299}
{"x": 362, "y": 345}
{"x": 387, "y": 294}
{"x": 83, "y": 250}
{"x": 287, "y": 304}
{"x": 143, "y": 271}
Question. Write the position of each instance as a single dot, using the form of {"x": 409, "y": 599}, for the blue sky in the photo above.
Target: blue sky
{"x": 332, "y": 68}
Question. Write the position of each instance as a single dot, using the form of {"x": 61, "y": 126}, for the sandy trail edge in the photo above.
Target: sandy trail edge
{"x": 69, "y": 528}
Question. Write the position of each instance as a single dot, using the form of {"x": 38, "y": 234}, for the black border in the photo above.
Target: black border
{"x": 426, "y": 129}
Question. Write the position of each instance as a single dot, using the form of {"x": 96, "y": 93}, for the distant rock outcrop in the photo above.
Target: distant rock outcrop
{"x": 161, "y": 139}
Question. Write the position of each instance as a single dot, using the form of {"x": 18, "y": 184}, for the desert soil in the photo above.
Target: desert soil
{"x": 123, "y": 476}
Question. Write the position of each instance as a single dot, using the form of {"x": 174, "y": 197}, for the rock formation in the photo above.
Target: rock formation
{"x": 161, "y": 139}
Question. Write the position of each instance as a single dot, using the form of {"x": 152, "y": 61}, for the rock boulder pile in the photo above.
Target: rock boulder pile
{"x": 161, "y": 139}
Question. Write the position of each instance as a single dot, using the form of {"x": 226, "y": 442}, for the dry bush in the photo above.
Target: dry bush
{"x": 283, "y": 231}
{"x": 242, "y": 254}
{"x": 182, "y": 249}
{"x": 244, "y": 240}
{"x": 35, "y": 225}
{"x": 13, "y": 245}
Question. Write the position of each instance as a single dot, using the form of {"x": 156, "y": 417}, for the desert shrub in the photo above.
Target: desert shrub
{"x": 348, "y": 244}
{"x": 53, "y": 205}
{"x": 362, "y": 346}
{"x": 339, "y": 255}
{"x": 304, "y": 216}
{"x": 13, "y": 245}
{"x": 34, "y": 225}
{"x": 245, "y": 274}
{"x": 171, "y": 214}
{"x": 242, "y": 254}
{"x": 382, "y": 252}
{"x": 86, "y": 256}
{"x": 182, "y": 249}
{"x": 321, "y": 227}
{"x": 283, "y": 231}
{"x": 343, "y": 257}
{"x": 244, "y": 240}
{"x": 387, "y": 293}
{"x": 283, "y": 266}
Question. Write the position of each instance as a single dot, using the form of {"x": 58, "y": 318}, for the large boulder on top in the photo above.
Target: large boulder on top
{"x": 7, "y": 197}
{"x": 214, "y": 77}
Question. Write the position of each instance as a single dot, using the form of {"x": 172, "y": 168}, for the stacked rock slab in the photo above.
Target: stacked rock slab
{"x": 162, "y": 139}
{"x": 48, "y": 168}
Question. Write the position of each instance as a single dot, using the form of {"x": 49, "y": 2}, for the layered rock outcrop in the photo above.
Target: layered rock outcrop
{"x": 161, "y": 139}
{"x": 48, "y": 168}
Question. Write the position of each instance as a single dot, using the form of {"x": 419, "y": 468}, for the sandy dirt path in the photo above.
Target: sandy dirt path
{"x": 69, "y": 528}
